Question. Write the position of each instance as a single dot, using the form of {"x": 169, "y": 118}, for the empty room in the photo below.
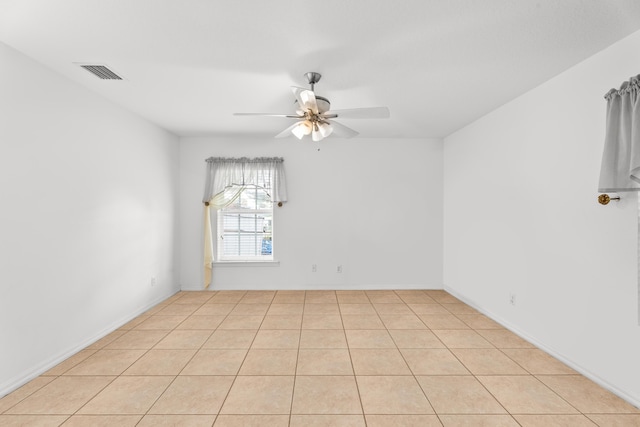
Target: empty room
{"x": 342, "y": 213}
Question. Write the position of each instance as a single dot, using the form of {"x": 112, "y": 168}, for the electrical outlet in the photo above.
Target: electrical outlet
{"x": 314, "y": 268}
{"x": 153, "y": 281}
{"x": 512, "y": 299}
{"x": 339, "y": 269}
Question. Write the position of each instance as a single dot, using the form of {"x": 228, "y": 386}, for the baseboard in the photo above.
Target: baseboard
{"x": 314, "y": 287}
{"x": 553, "y": 352}
{"x": 23, "y": 378}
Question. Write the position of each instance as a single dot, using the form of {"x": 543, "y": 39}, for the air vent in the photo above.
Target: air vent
{"x": 101, "y": 72}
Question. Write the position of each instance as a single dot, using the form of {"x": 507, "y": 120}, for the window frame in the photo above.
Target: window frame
{"x": 232, "y": 209}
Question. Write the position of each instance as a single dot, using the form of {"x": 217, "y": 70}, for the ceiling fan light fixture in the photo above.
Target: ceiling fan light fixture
{"x": 302, "y": 129}
{"x": 325, "y": 129}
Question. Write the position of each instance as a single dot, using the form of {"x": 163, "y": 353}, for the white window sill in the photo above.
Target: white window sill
{"x": 246, "y": 263}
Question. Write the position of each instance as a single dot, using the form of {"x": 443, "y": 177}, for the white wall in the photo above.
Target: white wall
{"x": 373, "y": 206}
{"x": 88, "y": 215}
{"x": 521, "y": 218}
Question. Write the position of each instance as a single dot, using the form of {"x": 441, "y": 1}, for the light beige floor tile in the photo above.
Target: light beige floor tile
{"x": 586, "y": 395}
{"x": 478, "y": 421}
{"x": 487, "y": 361}
{"x": 410, "y": 338}
{"x": 259, "y": 395}
{"x": 241, "y": 322}
{"x": 32, "y": 420}
{"x": 362, "y": 321}
{"x": 392, "y": 308}
{"x": 184, "y": 339}
{"x": 269, "y": 362}
{"x": 459, "y": 395}
{"x": 161, "y": 322}
{"x": 250, "y": 309}
{"x": 252, "y": 420}
{"x": 616, "y": 420}
{"x": 320, "y": 297}
{"x": 428, "y": 308}
{"x": 127, "y": 395}
{"x": 462, "y": 338}
{"x": 23, "y": 392}
{"x": 201, "y": 322}
{"x": 281, "y": 308}
{"x": 327, "y": 421}
{"x": 384, "y": 297}
{"x": 134, "y": 322}
{"x": 215, "y": 362}
{"x": 459, "y": 308}
{"x": 380, "y": 361}
{"x": 277, "y": 339}
{"x": 231, "y": 339}
{"x": 479, "y": 321}
{"x": 503, "y": 338}
{"x": 297, "y": 298}
{"x": 525, "y": 395}
{"x": 321, "y": 321}
{"x": 67, "y": 364}
{"x": 179, "y": 309}
{"x": 322, "y": 338}
{"x": 357, "y": 309}
{"x": 193, "y": 395}
{"x": 106, "y": 362}
{"x": 402, "y": 321}
{"x": 443, "y": 321}
{"x": 214, "y": 309}
{"x": 321, "y": 308}
{"x": 102, "y": 342}
{"x": 64, "y": 395}
{"x": 433, "y": 361}
{"x": 227, "y": 297}
{"x": 282, "y": 321}
{"x": 326, "y": 395}
{"x": 138, "y": 340}
{"x": 195, "y": 297}
{"x": 353, "y": 298}
{"x": 102, "y": 421}
{"x": 177, "y": 421}
{"x": 554, "y": 421}
{"x": 444, "y": 298}
{"x": 536, "y": 361}
{"x": 324, "y": 361}
{"x": 369, "y": 338}
{"x": 403, "y": 421}
{"x": 416, "y": 298}
{"x": 392, "y": 395}
{"x": 161, "y": 362}
{"x": 258, "y": 297}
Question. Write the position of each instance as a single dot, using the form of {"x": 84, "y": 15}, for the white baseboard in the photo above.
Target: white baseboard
{"x": 24, "y": 377}
{"x": 593, "y": 377}
{"x": 314, "y": 287}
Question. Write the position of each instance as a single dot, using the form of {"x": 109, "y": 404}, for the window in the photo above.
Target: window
{"x": 245, "y": 227}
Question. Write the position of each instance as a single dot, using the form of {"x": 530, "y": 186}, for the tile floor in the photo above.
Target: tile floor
{"x": 314, "y": 358}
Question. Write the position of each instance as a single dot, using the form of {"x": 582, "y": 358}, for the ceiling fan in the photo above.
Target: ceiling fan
{"x": 314, "y": 117}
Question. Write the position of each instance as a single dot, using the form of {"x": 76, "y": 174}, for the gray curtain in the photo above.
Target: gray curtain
{"x": 620, "y": 170}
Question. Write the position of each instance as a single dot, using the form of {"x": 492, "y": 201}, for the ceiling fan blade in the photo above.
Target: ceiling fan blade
{"x": 306, "y": 99}
{"x": 290, "y": 116}
{"x": 287, "y": 132}
{"x": 360, "y": 113}
{"x": 342, "y": 131}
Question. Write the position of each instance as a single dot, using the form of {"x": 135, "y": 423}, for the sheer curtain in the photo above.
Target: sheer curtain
{"x": 620, "y": 169}
{"x": 226, "y": 179}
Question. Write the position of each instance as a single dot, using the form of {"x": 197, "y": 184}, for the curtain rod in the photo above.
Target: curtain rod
{"x": 244, "y": 159}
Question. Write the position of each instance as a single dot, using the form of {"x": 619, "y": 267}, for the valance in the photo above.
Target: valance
{"x": 267, "y": 172}
{"x": 620, "y": 170}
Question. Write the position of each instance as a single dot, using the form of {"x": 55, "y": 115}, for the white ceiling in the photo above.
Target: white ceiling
{"x": 438, "y": 65}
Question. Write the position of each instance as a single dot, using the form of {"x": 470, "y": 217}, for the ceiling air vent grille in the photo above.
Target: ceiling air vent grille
{"x": 101, "y": 72}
